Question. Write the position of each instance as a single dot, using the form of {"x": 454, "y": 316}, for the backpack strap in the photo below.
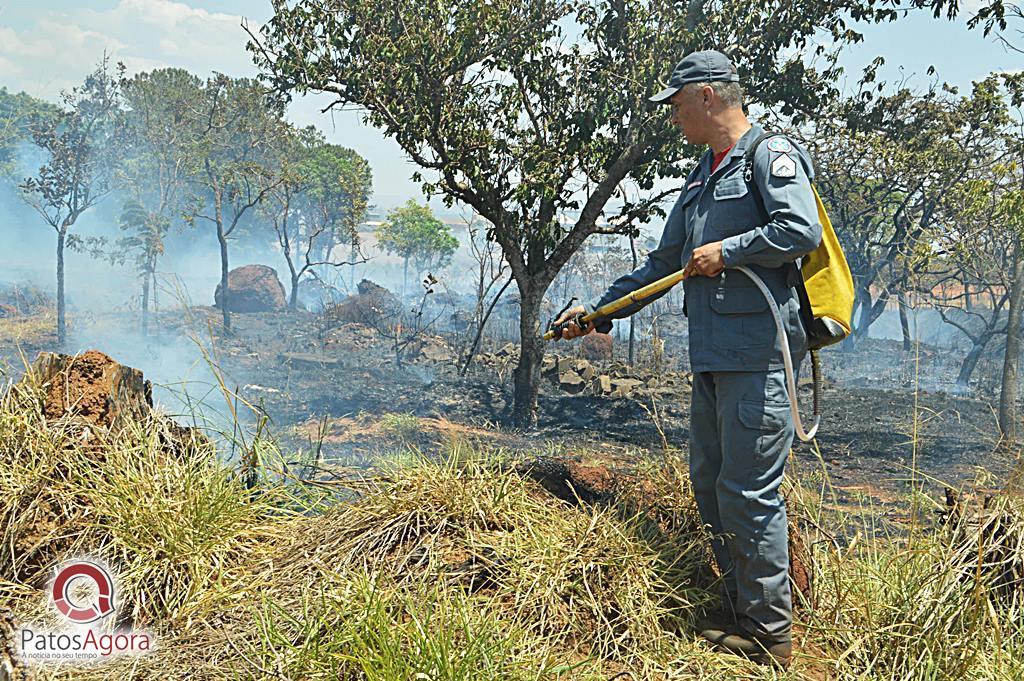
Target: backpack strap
{"x": 748, "y": 172}
{"x": 794, "y": 278}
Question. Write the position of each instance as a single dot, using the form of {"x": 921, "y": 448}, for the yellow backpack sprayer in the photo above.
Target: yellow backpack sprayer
{"x": 826, "y": 305}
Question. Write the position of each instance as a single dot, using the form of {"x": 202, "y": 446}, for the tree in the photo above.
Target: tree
{"x": 505, "y": 115}
{"x": 971, "y": 281}
{"x": 413, "y": 233}
{"x": 235, "y": 126}
{"x": 982, "y": 218}
{"x": 281, "y": 204}
{"x": 338, "y": 187}
{"x": 1010, "y": 208}
{"x": 885, "y": 165}
{"x": 80, "y": 142}
{"x": 322, "y": 193}
{"x": 156, "y": 167}
{"x": 19, "y": 114}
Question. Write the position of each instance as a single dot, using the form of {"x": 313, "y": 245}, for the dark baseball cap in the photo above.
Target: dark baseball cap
{"x": 706, "y": 66}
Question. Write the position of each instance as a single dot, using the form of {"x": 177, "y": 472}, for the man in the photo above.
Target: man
{"x": 765, "y": 218}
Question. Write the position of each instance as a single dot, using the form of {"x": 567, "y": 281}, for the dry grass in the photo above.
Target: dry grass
{"x": 35, "y": 329}
{"x": 461, "y": 569}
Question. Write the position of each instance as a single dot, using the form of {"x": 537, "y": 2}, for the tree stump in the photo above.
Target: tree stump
{"x": 92, "y": 388}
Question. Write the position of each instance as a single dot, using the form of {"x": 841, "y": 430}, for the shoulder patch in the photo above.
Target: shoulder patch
{"x": 784, "y": 166}
{"x": 780, "y": 144}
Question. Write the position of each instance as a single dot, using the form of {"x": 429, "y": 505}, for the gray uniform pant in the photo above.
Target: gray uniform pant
{"x": 740, "y": 435}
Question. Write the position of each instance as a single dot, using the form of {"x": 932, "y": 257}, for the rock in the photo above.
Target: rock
{"x": 547, "y": 365}
{"x": 564, "y": 364}
{"x": 602, "y": 385}
{"x": 253, "y": 288}
{"x": 92, "y": 388}
{"x": 365, "y": 287}
{"x": 620, "y": 370}
{"x": 371, "y": 305}
{"x": 507, "y": 350}
{"x": 624, "y": 387}
{"x": 351, "y": 336}
{"x": 308, "y": 360}
{"x": 435, "y": 349}
{"x": 584, "y": 369}
{"x": 571, "y": 382}
{"x": 94, "y": 392}
{"x": 596, "y": 347}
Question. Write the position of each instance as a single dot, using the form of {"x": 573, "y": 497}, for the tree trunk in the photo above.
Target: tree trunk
{"x": 155, "y": 297}
{"x": 862, "y": 314}
{"x": 290, "y": 258}
{"x": 632, "y": 317}
{"x": 1011, "y": 360}
{"x": 293, "y": 297}
{"x": 531, "y": 352}
{"x": 970, "y": 363}
{"x": 61, "y": 328}
{"x": 293, "y": 275}
{"x": 405, "y": 278}
{"x": 353, "y": 255}
{"x": 224, "y": 292}
{"x": 145, "y": 301}
{"x": 901, "y": 298}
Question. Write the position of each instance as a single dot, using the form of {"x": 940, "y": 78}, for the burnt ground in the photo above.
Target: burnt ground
{"x": 331, "y": 393}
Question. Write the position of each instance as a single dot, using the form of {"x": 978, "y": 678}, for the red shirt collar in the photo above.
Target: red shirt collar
{"x": 719, "y": 157}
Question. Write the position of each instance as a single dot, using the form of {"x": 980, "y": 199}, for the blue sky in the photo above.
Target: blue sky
{"x": 47, "y": 46}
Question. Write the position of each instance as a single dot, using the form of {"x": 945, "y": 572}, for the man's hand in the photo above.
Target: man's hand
{"x": 707, "y": 260}
{"x": 573, "y": 330}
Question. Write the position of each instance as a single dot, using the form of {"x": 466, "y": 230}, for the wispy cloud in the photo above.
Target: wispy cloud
{"x": 58, "y": 49}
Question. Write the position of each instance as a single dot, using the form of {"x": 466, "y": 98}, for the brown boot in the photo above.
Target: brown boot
{"x": 771, "y": 650}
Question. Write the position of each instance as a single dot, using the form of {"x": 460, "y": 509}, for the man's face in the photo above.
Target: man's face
{"x": 690, "y": 110}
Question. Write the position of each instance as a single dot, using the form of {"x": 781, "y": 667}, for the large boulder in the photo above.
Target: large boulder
{"x": 371, "y": 305}
{"x": 253, "y": 288}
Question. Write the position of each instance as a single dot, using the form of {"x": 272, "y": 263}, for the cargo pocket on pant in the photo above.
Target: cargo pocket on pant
{"x": 771, "y": 419}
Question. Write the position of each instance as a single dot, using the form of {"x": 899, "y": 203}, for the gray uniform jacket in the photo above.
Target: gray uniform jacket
{"x": 730, "y": 325}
